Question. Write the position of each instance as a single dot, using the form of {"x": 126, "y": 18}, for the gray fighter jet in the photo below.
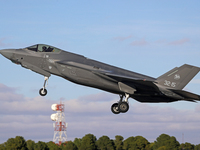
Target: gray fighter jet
{"x": 47, "y": 60}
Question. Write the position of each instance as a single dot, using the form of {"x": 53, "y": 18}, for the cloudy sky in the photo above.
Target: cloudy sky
{"x": 149, "y": 37}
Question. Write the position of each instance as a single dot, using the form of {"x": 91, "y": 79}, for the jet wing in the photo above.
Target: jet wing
{"x": 102, "y": 71}
{"x": 139, "y": 84}
{"x": 126, "y": 83}
{"x": 124, "y": 77}
{"x": 130, "y": 84}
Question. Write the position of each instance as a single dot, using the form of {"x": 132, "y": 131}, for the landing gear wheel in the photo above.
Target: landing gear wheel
{"x": 115, "y": 109}
{"x": 43, "y": 92}
{"x": 123, "y": 107}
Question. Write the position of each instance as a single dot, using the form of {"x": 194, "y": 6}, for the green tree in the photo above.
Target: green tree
{"x": 141, "y": 143}
{"x": 174, "y": 144}
{"x": 52, "y": 146}
{"x": 128, "y": 143}
{"x": 69, "y": 146}
{"x": 77, "y": 142}
{"x": 162, "y": 148}
{"x": 167, "y": 141}
{"x": 30, "y": 144}
{"x": 41, "y": 146}
{"x": 2, "y": 146}
{"x": 118, "y": 142}
{"x": 20, "y": 143}
{"x": 197, "y": 147}
{"x": 88, "y": 142}
{"x": 136, "y": 143}
{"x": 17, "y": 143}
{"x": 104, "y": 143}
{"x": 186, "y": 146}
{"x": 150, "y": 146}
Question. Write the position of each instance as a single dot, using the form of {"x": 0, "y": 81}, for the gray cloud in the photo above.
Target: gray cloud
{"x": 30, "y": 117}
{"x": 4, "y": 88}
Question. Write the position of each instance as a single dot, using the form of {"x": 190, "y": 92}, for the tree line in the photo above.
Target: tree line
{"x": 90, "y": 142}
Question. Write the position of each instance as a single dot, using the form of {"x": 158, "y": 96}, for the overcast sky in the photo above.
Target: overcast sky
{"x": 148, "y": 37}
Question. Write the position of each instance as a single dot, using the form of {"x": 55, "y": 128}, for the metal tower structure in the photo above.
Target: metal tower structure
{"x": 60, "y": 126}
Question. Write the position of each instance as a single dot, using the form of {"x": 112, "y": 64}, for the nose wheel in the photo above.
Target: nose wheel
{"x": 43, "y": 91}
{"x": 122, "y": 106}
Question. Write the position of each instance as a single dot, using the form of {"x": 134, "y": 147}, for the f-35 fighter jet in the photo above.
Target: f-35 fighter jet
{"x": 47, "y": 60}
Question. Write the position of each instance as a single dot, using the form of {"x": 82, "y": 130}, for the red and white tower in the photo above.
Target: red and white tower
{"x": 60, "y": 127}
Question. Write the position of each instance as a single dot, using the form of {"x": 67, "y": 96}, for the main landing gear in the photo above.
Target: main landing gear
{"x": 43, "y": 90}
{"x": 122, "y": 106}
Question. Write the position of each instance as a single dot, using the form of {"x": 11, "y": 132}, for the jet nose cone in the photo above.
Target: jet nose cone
{"x": 8, "y": 53}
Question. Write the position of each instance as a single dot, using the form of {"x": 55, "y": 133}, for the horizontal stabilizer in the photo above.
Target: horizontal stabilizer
{"x": 187, "y": 95}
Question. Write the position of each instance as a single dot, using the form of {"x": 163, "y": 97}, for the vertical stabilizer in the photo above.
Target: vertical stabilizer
{"x": 178, "y": 77}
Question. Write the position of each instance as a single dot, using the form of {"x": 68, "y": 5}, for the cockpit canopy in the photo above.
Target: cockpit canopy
{"x": 43, "y": 48}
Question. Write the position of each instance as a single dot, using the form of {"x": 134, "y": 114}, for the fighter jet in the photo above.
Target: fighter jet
{"x": 47, "y": 60}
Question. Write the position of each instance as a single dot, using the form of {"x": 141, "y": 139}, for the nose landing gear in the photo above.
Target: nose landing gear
{"x": 43, "y": 91}
{"x": 122, "y": 106}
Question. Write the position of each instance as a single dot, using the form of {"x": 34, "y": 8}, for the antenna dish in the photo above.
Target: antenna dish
{"x": 54, "y": 107}
{"x": 54, "y": 117}
{"x": 60, "y": 126}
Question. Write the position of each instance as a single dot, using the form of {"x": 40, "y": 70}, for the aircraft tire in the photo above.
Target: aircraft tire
{"x": 43, "y": 93}
{"x": 114, "y": 108}
{"x": 123, "y": 107}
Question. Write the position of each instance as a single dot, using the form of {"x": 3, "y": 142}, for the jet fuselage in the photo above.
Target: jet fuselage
{"x": 47, "y": 60}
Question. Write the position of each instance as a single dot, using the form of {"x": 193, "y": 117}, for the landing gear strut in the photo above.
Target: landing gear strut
{"x": 43, "y": 90}
{"x": 122, "y": 106}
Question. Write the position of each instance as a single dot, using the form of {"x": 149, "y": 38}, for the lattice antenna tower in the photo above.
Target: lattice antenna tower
{"x": 60, "y": 126}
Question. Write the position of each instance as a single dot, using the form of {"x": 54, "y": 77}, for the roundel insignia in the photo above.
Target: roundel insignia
{"x": 177, "y": 77}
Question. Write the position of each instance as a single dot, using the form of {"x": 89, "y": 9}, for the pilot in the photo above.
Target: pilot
{"x": 44, "y": 48}
{"x": 49, "y": 49}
